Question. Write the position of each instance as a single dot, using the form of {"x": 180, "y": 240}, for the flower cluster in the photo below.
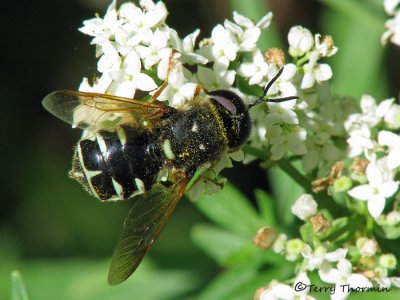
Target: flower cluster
{"x": 135, "y": 45}
{"x": 287, "y": 127}
{"x": 392, "y": 25}
{"x": 370, "y": 136}
{"x": 353, "y": 149}
{"x": 331, "y": 264}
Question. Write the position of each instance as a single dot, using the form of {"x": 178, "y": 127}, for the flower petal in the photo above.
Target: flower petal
{"x": 374, "y": 175}
{"x": 344, "y": 267}
{"x": 336, "y": 255}
{"x": 358, "y": 281}
{"x": 361, "y": 192}
{"x": 376, "y": 204}
{"x": 388, "y": 138}
{"x": 144, "y": 82}
{"x": 388, "y": 188}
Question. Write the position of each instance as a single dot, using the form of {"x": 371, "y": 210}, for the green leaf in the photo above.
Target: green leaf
{"x": 224, "y": 286}
{"x": 18, "y": 289}
{"x": 266, "y": 206}
{"x": 231, "y": 210}
{"x": 87, "y": 280}
{"x": 220, "y": 244}
{"x": 285, "y": 191}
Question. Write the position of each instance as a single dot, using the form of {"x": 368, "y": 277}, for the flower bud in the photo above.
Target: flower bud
{"x": 264, "y": 237}
{"x": 293, "y": 248}
{"x": 367, "y": 247}
{"x": 279, "y": 244}
{"x": 342, "y": 184}
{"x": 388, "y": 261}
{"x": 393, "y": 217}
{"x": 320, "y": 223}
{"x": 300, "y": 41}
{"x": 275, "y": 56}
{"x": 304, "y": 207}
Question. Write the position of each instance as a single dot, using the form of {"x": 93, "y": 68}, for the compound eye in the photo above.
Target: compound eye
{"x": 227, "y": 99}
{"x": 234, "y": 115}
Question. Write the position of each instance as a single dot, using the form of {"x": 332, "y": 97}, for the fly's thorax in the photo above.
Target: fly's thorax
{"x": 195, "y": 137}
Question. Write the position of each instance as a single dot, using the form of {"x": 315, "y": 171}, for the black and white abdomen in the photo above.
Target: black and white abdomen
{"x": 117, "y": 165}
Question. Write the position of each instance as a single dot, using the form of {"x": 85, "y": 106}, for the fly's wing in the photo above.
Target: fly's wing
{"x": 144, "y": 222}
{"x": 94, "y": 111}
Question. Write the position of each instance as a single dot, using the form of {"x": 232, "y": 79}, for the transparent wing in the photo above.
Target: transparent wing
{"x": 144, "y": 222}
{"x": 93, "y": 111}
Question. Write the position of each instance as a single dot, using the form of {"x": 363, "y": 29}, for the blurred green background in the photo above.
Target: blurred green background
{"x": 50, "y": 229}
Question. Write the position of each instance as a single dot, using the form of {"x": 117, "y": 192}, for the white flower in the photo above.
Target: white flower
{"x": 372, "y": 113}
{"x": 300, "y": 41}
{"x": 358, "y": 125}
{"x": 304, "y": 207}
{"x": 255, "y": 71}
{"x": 343, "y": 275}
{"x": 157, "y": 49}
{"x": 392, "y": 117}
{"x": 320, "y": 257}
{"x": 380, "y": 186}
{"x": 282, "y": 112}
{"x": 390, "y": 6}
{"x": 102, "y": 29}
{"x": 222, "y": 48}
{"x": 360, "y": 140}
{"x": 325, "y": 45}
{"x": 100, "y": 86}
{"x": 392, "y": 141}
{"x": 320, "y": 150}
{"x": 155, "y": 13}
{"x": 315, "y": 72}
{"x": 217, "y": 78}
{"x": 129, "y": 77}
{"x": 178, "y": 89}
{"x": 283, "y": 85}
{"x": 289, "y": 140}
{"x": 280, "y": 291}
{"x": 393, "y": 30}
{"x": 186, "y": 47}
{"x": 244, "y": 33}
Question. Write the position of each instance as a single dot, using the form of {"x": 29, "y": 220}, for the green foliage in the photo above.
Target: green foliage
{"x": 71, "y": 227}
{"x": 358, "y": 69}
{"x": 232, "y": 246}
{"x": 18, "y": 289}
{"x": 83, "y": 279}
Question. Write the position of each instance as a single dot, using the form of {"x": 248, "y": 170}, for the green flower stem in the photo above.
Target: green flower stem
{"x": 370, "y": 222}
{"x": 302, "y": 61}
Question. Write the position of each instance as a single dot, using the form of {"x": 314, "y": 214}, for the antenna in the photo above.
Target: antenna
{"x": 266, "y": 89}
